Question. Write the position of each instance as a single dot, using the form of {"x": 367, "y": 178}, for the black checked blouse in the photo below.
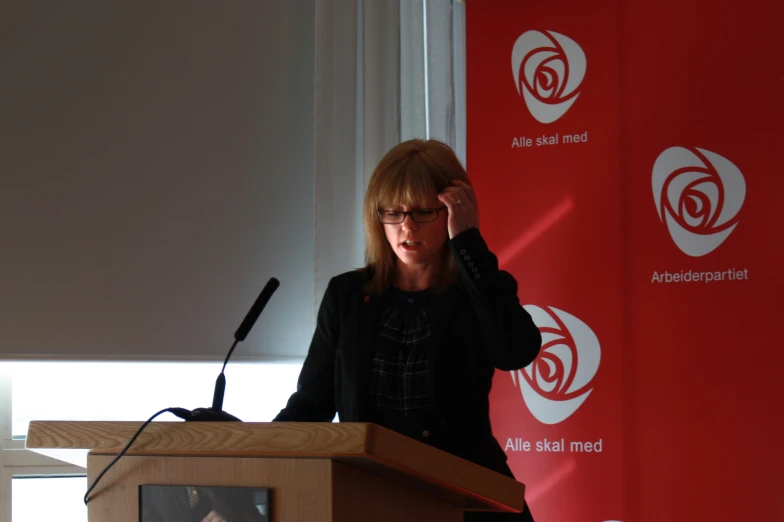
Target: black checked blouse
{"x": 399, "y": 381}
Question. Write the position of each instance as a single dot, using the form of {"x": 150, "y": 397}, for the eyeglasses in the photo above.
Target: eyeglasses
{"x": 420, "y": 215}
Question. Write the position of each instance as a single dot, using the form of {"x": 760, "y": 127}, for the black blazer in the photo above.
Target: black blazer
{"x": 478, "y": 326}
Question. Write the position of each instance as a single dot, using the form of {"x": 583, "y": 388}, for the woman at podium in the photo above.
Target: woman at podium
{"x": 411, "y": 340}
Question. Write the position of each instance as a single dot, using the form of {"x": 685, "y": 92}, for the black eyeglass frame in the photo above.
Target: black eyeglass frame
{"x": 411, "y": 214}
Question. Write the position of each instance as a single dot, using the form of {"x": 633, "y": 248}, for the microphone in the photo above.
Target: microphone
{"x": 215, "y": 413}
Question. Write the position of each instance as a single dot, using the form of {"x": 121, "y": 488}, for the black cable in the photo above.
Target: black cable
{"x": 176, "y": 411}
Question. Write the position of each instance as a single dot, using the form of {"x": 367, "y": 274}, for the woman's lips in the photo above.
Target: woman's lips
{"x": 411, "y": 247}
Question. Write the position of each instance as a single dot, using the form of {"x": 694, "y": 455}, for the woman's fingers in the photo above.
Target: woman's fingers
{"x": 468, "y": 189}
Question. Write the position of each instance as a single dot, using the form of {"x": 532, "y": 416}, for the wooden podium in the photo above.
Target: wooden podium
{"x": 315, "y": 472}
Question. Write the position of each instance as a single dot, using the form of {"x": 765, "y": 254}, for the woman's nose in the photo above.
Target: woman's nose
{"x": 409, "y": 223}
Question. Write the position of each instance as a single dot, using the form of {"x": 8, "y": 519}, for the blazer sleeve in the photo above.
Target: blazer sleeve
{"x": 510, "y": 337}
{"x": 314, "y": 400}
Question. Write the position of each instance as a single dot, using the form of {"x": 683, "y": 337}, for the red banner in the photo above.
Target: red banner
{"x": 626, "y": 160}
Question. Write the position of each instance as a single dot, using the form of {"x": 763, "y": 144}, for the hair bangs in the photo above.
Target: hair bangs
{"x": 410, "y": 185}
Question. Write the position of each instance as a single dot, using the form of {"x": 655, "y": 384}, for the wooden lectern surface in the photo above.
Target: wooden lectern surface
{"x": 365, "y": 446}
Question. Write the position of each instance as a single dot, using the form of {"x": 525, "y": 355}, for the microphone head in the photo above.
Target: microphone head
{"x": 255, "y": 310}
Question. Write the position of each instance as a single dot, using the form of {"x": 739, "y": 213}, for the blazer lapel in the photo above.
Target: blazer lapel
{"x": 443, "y": 306}
{"x": 180, "y": 499}
{"x": 369, "y": 310}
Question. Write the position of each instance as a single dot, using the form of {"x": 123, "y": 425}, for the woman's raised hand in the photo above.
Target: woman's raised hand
{"x": 460, "y": 201}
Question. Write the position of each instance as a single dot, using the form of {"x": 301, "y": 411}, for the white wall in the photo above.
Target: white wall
{"x": 156, "y": 169}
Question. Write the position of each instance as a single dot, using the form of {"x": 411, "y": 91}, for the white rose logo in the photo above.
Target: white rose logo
{"x": 559, "y": 380}
{"x": 548, "y": 68}
{"x": 698, "y": 195}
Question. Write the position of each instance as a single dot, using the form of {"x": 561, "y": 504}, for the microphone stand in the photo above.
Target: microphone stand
{"x": 215, "y": 413}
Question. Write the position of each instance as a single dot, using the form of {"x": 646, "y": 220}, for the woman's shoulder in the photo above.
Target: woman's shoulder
{"x": 351, "y": 281}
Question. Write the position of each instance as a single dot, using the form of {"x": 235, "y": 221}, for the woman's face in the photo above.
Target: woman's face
{"x": 414, "y": 242}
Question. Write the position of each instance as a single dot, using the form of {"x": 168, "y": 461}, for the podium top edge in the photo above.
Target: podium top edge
{"x": 363, "y": 443}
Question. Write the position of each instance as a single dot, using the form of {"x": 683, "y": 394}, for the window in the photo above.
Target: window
{"x": 123, "y": 391}
{"x": 63, "y": 495}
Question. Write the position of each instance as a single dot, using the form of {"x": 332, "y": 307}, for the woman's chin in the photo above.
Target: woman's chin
{"x": 414, "y": 258}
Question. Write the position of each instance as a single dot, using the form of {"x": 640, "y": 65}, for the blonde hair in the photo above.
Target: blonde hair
{"x": 406, "y": 175}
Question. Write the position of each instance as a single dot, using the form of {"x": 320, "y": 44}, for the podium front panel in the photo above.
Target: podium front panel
{"x": 300, "y": 490}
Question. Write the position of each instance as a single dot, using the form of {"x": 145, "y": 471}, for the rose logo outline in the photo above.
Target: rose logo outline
{"x": 548, "y": 69}
{"x": 698, "y": 195}
{"x": 559, "y": 381}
